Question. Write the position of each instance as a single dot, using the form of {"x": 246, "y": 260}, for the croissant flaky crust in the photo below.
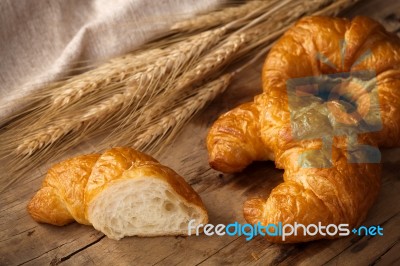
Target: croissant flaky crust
{"x": 121, "y": 192}
{"x": 327, "y": 149}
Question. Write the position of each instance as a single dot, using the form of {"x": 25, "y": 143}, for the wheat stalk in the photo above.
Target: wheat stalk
{"x": 163, "y": 130}
{"x": 138, "y": 86}
{"x": 283, "y": 18}
{"x": 206, "y": 65}
{"x": 221, "y": 56}
{"x": 335, "y": 8}
{"x": 175, "y": 119}
{"x": 122, "y": 68}
{"x": 223, "y": 17}
{"x": 116, "y": 70}
{"x": 179, "y": 55}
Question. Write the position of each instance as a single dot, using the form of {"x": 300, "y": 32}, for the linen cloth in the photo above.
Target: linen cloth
{"x": 41, "y": 40}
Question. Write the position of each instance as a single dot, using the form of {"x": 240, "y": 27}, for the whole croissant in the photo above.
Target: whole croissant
{"x": 121, "y": 192}
{"x": 305, "y": 121}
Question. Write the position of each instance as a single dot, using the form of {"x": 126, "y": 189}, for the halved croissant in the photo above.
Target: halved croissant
{"x": 121, "y": 193}
{"x": 328, "y": 184}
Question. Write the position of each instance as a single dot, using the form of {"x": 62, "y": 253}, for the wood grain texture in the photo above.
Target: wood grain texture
{"x": 23, "y": 241}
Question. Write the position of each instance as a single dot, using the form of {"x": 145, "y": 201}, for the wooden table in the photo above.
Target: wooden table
{"x": 23, "y": 241}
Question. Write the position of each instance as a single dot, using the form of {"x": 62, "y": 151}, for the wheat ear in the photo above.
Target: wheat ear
{"x": 138, "y": 86}
{"x": 219, "y": 57}
{"x": 116, "y": 70}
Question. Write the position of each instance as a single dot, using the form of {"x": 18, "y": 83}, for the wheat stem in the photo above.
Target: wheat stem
{"x": 181, "y": 114}
{"x": 336, "y": 7}
{"x": 220, "y": 56}
{"x": 222, "y": 17}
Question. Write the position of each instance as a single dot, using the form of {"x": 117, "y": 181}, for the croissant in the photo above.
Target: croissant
{"x": 121, "y": 192}
{"x": 331, "y": 97}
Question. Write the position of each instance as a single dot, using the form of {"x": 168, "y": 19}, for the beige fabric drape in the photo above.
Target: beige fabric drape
{"x": 40, "y": 40}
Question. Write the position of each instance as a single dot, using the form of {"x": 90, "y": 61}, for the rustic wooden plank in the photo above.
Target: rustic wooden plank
{"x": 368, "y": 249}
{"x": 391, "y": 257}
{"x": 24, "y": 241}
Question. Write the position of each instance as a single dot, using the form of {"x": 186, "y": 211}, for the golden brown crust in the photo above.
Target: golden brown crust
{"x": 233, "y": 141}
{"x": 339, "y": 195}
{"x": 63, "y": 192}
{"x": 342, "y": 192}
{"x": 47, "y": 207}
{"x": 70, "y": 186}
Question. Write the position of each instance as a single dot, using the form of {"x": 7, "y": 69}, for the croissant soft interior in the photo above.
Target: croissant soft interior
{"x": 121, "y": 192}
{"x": 331, "y": 96}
